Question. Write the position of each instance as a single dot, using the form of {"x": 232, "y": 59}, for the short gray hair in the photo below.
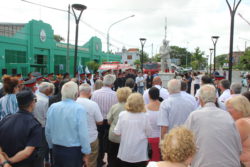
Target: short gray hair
{"x": 98, "y": 84}
{"x": 45, "y": 85}
{"x": 108, "y": 80}
{"x": 69, "y": 90}
{"x": 208, "y": 93}
{"x": 174, "y": 86}
{"x": 236, "y": 88}
{"x": 84, "y": 88}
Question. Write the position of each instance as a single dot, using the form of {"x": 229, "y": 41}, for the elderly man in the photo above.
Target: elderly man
{"x": 105, "y": 98}
{"x": 94, "y": 118}
{"x": 224, "y": 86}
{"x": 217, "y": 138}
{"x": 187, "y": 95}
{"x": 21, "y": 133}
{"x": 175, "y": 109}
{"x": 66, "y": 129}
{"x": 46, "y": 89}
{"x": 235, "y": 89}
{"x": 158, "y": 84}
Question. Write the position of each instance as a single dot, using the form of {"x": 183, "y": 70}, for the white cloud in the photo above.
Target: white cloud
{"x": 191, "y": 23}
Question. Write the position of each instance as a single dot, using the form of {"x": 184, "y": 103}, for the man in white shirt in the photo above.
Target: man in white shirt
{"x": 187, "y": 95}
{"x": 217, "y": 139}
{"x": 158, "y": 84}
{"x": 175, "y": 109}
{"x": 94, "y": 118}
{"x": 224, "y": 86}
{"x": 46, "y": 89}
{"x": 139, "y": 80}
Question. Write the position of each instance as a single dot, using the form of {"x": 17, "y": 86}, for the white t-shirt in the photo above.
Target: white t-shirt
{"x": 152, "y": 164}
{"x": 163, "y": 93}
{"x": 197, "y": 79}
{"x": 224, "y": 96}
{"x": 139, "y": 81}
{"x": 153, "y": 117}
{"x": 94, "y": 115}
{"x": 134, "y": 129}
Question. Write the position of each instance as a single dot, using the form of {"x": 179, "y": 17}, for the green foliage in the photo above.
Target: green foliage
{"x": 198, "y": 62}
{"x": 156, "y": 58}
{"x": 182, "y": 54}
{"x": 220, "y": 60}
{"x": 137, "y": 63}
{"x": 245, "y": 61}
{"x": 58, "y": 38}
{"x": 146, "y": 58}
{"x": 93, "y": 66}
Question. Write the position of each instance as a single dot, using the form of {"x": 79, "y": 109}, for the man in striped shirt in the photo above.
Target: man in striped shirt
{"x": 105, "y": 98}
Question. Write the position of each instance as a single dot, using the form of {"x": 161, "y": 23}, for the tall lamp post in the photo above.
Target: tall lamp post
{"x": 112, "y": 25}
{"x": 232, "y": 10}
{"x": 80, "y": 8}
{"x": 143, "y": 41}
{"x": 215, "y": 39}
{"x": 210, "y": 67}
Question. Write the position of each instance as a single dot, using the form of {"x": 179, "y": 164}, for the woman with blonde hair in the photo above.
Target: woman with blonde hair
{"x": 8, "y": 103}
{"x": 177, "y": 149}
{"x": 239, "y": 108}
{"x": 134, "y": 127}
{"x": 113, "y": 114}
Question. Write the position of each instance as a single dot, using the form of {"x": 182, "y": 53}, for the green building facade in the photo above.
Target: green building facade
{"x": 33, "y": 48}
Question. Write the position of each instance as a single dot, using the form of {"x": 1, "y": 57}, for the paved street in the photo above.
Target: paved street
{"x": 236, "y": 78}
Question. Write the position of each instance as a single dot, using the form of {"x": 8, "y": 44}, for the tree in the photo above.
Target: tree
{"x": 221, "y": 59}
{"x": 198, "y": 62}
{"x": 182, "y": 54}
{"x": 93, "y": 66}
{"x": 58, "y": 38}
{"x": 146, "y": 58}
{"x": 137, "y": 63}
{"x": 156, "y": 58}
{"x": 245, "y": 60}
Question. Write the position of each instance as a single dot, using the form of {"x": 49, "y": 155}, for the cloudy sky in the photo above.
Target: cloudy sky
{"x": 191, "y": 23}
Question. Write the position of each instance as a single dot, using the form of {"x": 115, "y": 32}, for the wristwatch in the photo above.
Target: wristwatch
{"x": 5, "y": 162}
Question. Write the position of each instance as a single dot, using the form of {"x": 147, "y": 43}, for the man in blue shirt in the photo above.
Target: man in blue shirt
{"x": 66, "y": 129}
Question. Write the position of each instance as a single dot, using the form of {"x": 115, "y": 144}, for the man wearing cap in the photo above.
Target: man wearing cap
{"x": 105, "y": 98}
{"x": 30, "y": 85}
{"x": 21, "y": 133}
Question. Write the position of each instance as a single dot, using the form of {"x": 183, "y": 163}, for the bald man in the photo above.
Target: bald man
{"x": 158, "y": 84}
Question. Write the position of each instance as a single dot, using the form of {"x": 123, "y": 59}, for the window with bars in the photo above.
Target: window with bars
{"x": 13, "y": 56}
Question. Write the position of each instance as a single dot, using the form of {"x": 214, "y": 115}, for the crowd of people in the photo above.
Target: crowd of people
{"x": 127, "y": 119}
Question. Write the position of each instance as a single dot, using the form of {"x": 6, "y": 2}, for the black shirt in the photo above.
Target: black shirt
{"x": 18, "y": 131}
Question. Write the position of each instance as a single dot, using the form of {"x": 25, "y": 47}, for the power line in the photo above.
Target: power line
{"x": 87, "y": 24}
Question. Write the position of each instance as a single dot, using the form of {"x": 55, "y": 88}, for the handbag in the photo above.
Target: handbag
{"x": 150, "y": 151}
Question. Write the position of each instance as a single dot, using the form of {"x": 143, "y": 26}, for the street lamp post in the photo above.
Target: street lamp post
{"x": 211, "y": 53}
{"x": 80, "y": 8}
{"x": 111, "y": 26}
{"x": 232, "y": 13}
{"x": 143, "y": 41}
{"x": 214, "y": 39}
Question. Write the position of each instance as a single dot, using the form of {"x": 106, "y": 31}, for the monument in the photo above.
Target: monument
{"x": 165, "y": 59}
